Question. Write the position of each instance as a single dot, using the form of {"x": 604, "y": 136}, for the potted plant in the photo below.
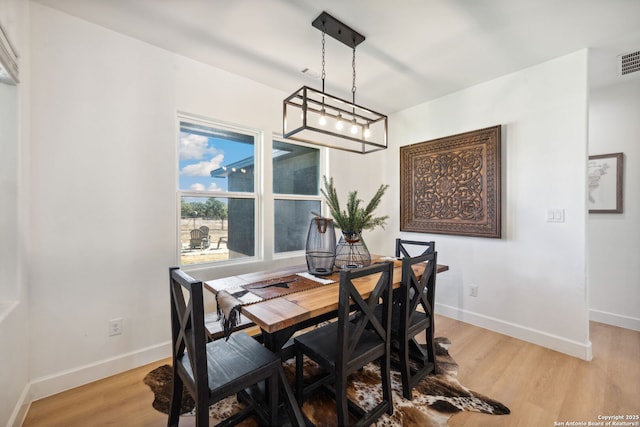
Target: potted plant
{"x": 351, "y": 251}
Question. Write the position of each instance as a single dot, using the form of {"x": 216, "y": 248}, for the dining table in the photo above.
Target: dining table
{"x": 281, "y": 309}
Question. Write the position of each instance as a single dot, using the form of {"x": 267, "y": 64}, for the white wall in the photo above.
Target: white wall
{"x": 9, "y": 157}
{"x": 14, "y": 321}
{"x": 614, "y": 239}
{"x": 102, "y": 199}
{"x": 104, "y": 168}
{"x": 14, "y": 326}
{"x": 532, "y": 282}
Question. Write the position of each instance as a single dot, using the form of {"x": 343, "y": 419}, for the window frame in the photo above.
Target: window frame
{"x": 322, "y": 171}
{"x": 256, "y": 194}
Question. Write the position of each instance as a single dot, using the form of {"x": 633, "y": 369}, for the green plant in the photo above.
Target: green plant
{"x": 355, "y": 218}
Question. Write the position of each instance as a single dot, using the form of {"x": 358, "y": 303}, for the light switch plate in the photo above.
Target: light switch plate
{"x": 555, "y": 215}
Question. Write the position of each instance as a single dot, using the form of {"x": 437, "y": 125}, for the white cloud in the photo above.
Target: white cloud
{"x": 203, "y": 168}
{"x": 194, "y": 147}
{"x": 200, "y": 187}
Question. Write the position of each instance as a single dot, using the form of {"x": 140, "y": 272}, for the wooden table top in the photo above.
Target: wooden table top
{"x": 279, "y": 313}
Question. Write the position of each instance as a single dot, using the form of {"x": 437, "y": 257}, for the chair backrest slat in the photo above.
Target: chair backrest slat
{"x": 187, "y": 324}
{"x": 404, "y": 247}
{"x": 418, "y": 291}
{"x": 351, "y": 302}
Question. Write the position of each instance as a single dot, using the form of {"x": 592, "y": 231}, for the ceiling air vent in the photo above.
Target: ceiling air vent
{"x": 628, "y": 63}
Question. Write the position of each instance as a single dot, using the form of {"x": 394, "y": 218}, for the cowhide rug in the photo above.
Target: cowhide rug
{"x": 435, "y": 399}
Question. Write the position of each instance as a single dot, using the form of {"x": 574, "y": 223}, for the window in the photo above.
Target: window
{"x": 296, "y": 180}
{"x": 217, "y": 192}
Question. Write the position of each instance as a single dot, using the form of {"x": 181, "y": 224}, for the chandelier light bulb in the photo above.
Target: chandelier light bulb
{"x": 367, "y": 131}
{"x": 340, "y": 122}
{"x": 354, "y": 127}
{"x": 323, "y": 118}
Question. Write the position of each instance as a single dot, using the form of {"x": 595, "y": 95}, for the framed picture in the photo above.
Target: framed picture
{"x": 605, "y": 183}
{"x": 451, "y": 185}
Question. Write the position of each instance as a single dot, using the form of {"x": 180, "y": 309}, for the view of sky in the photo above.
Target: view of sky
{"x": 199, "y": 155}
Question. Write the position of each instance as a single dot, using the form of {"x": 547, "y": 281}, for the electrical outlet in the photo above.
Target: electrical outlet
{"x": 473, "y": 291}
{"x": 115, "y": 326}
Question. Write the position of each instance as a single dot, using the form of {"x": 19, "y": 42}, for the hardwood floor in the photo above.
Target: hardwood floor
{"x": 540, "y": 386}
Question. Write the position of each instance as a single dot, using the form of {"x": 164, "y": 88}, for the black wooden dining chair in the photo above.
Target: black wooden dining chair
{"x": 409, "y": 248}
{"x": 413, "y": 313}
{"x": 351, "y": 342}
{"x": 217, "y": 369}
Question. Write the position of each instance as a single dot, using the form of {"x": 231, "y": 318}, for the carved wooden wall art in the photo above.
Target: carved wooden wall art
{"x": 451, "y": 185}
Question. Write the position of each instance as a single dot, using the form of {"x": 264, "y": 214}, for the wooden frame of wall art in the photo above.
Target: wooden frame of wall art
{"x": 452, "y": 185}
{"x": 605, "y": 183}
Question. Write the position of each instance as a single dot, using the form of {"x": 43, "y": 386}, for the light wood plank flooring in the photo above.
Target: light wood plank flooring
{"x": 540, "y": 386}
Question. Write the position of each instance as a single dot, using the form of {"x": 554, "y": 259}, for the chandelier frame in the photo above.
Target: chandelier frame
{"x": 307, "y": 114}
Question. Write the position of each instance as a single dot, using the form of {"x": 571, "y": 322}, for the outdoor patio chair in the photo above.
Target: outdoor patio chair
{"x": 205, "y": 233}
{"x": 198, "y": 239}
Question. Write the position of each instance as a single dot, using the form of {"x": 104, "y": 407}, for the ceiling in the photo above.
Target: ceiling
{"x": 415, "y": 50}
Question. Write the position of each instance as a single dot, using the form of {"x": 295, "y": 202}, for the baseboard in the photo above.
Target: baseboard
{"x": 52, "y": 384}
{"x": 613, "y": 319}
{"x": 21, "y": 409}
{"x": 544, "y": 339}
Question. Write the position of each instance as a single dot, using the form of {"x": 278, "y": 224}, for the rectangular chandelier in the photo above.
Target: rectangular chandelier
{"x": 318, "y": 118}
{"x": 322, "y": 119}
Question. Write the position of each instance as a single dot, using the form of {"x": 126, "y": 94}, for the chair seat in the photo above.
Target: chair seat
{"x": 418, "y": 320}
{"x": 241, "y": 357}
{"x": 320, "y": 343}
